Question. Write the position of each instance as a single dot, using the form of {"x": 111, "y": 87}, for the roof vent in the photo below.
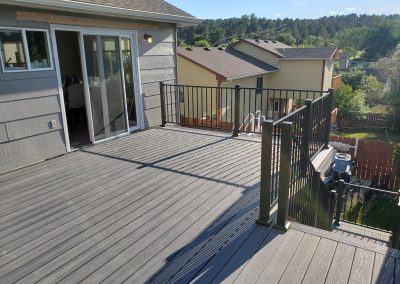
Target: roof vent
{"x": 221, "y": 48}
{"x": 266, "y": 41}
{"x": 257, "y": 41}
{"x": 207, "y": 48}
{"x": 274, "y": 41}
{"x": 188, "y": 49}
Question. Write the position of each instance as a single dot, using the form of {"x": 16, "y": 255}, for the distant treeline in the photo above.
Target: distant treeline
{"x": 374, "y": 35}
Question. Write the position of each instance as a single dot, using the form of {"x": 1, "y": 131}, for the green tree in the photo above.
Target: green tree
{"x": 351, "y": 39}
{"x": 388, "y": 71}
{"x": 314, "y": 41}
{"x": 349, "y": 101}
{"x": 373, "y": 90}
{"x": 381, "y": 39}
{"x": 286, "y": 38}
{"x": 354, "y": 78}
{"x": 202, "y": 43}
{"x": 394, "y": 99}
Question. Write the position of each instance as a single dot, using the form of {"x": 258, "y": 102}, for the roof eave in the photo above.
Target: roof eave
{"x": 94, "y": 9}
{"x": 250, "y": 75}
{"x": 285, "y": 58}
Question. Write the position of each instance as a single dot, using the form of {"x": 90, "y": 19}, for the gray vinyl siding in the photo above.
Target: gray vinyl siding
{"x": 28, "y": 102}
{"x": 157, "y": 63}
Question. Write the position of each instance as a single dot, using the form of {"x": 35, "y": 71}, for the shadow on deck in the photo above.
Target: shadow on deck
{"x": 164, "y": 205}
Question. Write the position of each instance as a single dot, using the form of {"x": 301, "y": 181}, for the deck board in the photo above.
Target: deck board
{"x": 167, "y": 205}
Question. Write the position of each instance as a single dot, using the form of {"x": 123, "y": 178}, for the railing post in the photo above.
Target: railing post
{"x": 162, "y": 100}
{"x": 328, "y": 117}
{"x": 236, "y": 129}
{"x": 396, "y": 222}
{"x": 331, "y": 212}
{"x": 339, "y": 202}
{"x": 266, "y": 176}
{"x": 316, "y": 182}
{"x": 307, "y": 126}
{"x": 284, "y": 175}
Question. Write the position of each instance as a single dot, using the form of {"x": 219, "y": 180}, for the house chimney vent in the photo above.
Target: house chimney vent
{"x": 207, "y": 48}
{"x": 188, "y": 49}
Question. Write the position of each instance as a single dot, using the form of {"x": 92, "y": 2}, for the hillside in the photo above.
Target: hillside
{"x": 376, "y": 35}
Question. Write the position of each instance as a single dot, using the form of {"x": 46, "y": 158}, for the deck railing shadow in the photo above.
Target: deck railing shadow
{"x": 236, "y": 219}
{"x": 206, "y": 257}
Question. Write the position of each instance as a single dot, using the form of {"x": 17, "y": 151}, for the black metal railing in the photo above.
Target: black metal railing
{"x": 287, "y": 173}
{"x": 235, "y": 109}
{"x": 369, "y": 207}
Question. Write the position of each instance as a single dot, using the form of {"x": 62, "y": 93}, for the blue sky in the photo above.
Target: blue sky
{"x": 309, "y": 9}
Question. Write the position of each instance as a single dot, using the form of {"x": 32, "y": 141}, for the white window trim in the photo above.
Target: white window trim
{"x": 26, "y": 51}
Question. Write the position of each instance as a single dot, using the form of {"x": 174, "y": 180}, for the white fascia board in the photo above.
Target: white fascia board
{"x": 96, "y": 9}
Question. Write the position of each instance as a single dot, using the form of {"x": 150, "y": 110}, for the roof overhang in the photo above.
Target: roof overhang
{"x": 219, "y": 76}
{"x": 102, "y": 10}
{"x": 258, "y": 46}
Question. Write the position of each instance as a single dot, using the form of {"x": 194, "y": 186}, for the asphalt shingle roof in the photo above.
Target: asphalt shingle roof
{"x": 229, "y": 64}
{"x": 150, "y": 6}
{"x": 308, "y": 53}
{"x": 287, "y": 52}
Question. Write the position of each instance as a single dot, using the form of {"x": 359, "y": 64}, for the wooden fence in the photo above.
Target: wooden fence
{"x": 374, "y": 162}
{"x": 363, "y": 121}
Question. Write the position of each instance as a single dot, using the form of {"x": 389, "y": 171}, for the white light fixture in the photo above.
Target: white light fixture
{"x": 148, "y": 38}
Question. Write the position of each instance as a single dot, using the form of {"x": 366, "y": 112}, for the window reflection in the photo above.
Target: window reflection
{"x": 12, "y": 49}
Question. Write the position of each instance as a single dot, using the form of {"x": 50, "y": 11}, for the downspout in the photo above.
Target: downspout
{"x": 323, "y": 74}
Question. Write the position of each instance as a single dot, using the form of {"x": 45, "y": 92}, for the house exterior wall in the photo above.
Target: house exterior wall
{"x": 30, "y": 100}
{"x": 328, "y": 74}
{"x": 257, "y": 53}
{"x": 298, "y": 74}
{"x": 197, "y": 103}
{"x": 157, "y": 63}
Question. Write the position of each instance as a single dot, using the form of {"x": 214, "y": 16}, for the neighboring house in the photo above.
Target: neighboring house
{"x": 258, "y": 64}
{"x": 217, "y": 68}
{"x": 81, "y": 71}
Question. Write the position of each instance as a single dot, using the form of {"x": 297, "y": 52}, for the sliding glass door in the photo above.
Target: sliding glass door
{"x": 110, "y": 85}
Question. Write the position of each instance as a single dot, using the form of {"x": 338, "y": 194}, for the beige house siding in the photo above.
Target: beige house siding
{"x": 257, "y": 53}
{"x": 193, "y": 75}
{"x": 328, "y": 74}
{"x": 197, "y": 103}
{"x": 298, "y": 74}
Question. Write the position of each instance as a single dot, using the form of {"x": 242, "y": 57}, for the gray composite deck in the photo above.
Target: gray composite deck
{"x": 164, "y": 205}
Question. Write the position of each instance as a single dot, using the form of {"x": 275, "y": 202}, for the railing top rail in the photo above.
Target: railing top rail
{"x": 285, "y": 118}
{"x": 247, "y": 88}
{"x": 326, "y": 94}
{"x": 371, "y": 188}
{"x": 197, "y": 86}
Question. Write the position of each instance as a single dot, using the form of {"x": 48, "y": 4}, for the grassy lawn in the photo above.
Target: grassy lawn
{"x": 379, "y": 109}
{"x": 376, "y": 213}
{"x": 380, "y": 136}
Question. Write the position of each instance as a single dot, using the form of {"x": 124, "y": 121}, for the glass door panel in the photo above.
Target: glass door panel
{"x": 95, "y": 85}
{"x": 126, "y": 48}
{"x": 104, "y": 74}
{"x": 113, "y": 84}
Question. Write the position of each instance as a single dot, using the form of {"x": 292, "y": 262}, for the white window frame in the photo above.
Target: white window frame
{"x": 26, "y": 51}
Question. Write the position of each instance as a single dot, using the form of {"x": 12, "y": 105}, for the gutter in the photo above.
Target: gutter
{"x": 103, "y": 10}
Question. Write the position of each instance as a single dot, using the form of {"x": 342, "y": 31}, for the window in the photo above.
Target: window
{"x": 260, "y": 82}
{"x": 38, "y": 49}
{"x": 276, "y": 105}
{"x": 12, "y": 50}
{"x": 24, "y": 50}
